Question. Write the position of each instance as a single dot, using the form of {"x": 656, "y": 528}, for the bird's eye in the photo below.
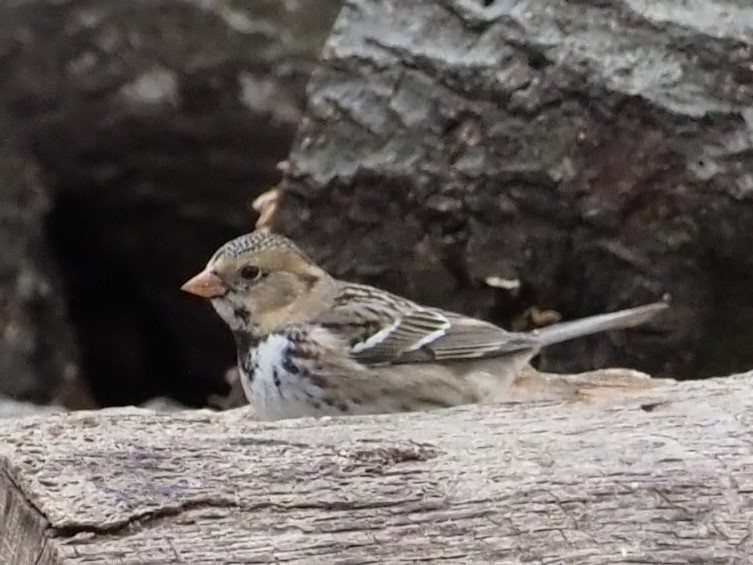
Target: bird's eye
{"x": 251, "y": 273}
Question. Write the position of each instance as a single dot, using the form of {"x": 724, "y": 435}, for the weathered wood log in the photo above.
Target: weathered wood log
{"x": 663, "y": 476}
{"x": 596, "y": 152}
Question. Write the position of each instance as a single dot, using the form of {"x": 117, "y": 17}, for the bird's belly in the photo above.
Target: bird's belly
{"x": 285, "y": 397}
{"x": 280, "y": 384}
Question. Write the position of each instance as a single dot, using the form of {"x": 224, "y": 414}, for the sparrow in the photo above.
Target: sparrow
{"x": 309, "y": 344}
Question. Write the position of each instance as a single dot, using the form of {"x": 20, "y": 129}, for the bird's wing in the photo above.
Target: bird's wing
{"x": 383, "y": 328}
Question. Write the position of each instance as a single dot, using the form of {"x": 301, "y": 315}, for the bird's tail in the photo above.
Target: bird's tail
{"x": 619, "y": 320}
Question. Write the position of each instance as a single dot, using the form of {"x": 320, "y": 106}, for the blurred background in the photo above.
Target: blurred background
{"x": 519, "y": 162}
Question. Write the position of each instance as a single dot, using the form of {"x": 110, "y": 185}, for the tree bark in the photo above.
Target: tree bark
{"x": 591, "y": 155}
{"x": 659, "y": 475}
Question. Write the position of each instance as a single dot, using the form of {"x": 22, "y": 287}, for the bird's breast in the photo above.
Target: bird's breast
{"x": 281, "y": 381}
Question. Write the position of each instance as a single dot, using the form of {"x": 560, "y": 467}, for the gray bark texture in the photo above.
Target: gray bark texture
{"x": 597, "y": 152}
{"x": 134, "y": 135}
{"x": 661, "y": 475}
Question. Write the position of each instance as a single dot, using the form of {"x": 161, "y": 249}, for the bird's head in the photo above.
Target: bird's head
{"x": 261, "y": 282}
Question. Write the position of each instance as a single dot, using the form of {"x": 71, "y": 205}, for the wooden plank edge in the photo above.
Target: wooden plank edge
{"x": 24, "y": 531}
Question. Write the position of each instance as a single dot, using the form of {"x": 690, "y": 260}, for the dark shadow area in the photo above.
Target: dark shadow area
{"x": 131, "y": 342}
{"x": 138, "y": 208}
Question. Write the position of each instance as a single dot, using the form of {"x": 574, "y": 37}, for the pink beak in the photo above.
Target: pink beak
{"x": 206, "y": 284}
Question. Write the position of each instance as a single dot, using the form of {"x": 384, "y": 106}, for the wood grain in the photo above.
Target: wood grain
{"x": 662, "y": 476}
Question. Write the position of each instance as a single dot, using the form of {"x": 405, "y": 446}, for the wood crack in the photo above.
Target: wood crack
{"x": 142, "y": 520}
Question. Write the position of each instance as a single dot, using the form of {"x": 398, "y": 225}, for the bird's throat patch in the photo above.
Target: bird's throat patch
{"x": 242, "y": 314}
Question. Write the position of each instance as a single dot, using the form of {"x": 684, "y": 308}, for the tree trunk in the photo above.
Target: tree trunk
{"x": 588, "y": 155}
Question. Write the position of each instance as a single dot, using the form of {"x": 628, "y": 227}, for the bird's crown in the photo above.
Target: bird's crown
{"x": 254, "y": 242}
